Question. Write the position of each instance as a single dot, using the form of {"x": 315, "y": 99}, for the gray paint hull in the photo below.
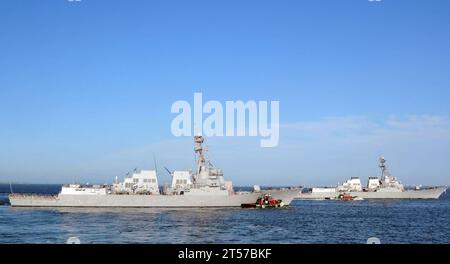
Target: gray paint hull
{"x": 432, "y": 193}
{"x": 164, "y": 201}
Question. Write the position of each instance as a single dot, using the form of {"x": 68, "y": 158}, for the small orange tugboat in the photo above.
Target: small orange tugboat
{"x": 345, "y": 197}
{"x": 265, "y": 201}
{"x": 348, "y": 197}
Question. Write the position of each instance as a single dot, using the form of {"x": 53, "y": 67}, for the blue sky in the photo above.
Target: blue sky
{"x": 86, "y": 87}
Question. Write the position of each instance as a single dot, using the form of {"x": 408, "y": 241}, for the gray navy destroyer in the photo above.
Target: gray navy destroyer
{"x": 384, "y": 187}
{"x": 206, "y": 187}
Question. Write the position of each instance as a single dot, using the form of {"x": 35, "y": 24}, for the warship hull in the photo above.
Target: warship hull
{"x": 142, "y": 201}
{"x": 432, "y": 193}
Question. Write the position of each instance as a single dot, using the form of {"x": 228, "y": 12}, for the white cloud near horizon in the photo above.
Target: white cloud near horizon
{"x": 318, "y": 152}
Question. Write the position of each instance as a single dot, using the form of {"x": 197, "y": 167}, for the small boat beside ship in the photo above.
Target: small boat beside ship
{"x": 384, "y": 187}
{"x": 346, "y": 197}
{"x": 265, "y": 201}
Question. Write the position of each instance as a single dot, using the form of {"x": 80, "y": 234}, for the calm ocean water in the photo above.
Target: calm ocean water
{"x": 396, "y": 221}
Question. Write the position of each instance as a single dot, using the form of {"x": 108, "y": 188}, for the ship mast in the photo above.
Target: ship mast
{"x": 206, "y": 174}
{"x": 384, "y": 169}
{"x": 199, "y": 150}
{"x": 386, "y": 178}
